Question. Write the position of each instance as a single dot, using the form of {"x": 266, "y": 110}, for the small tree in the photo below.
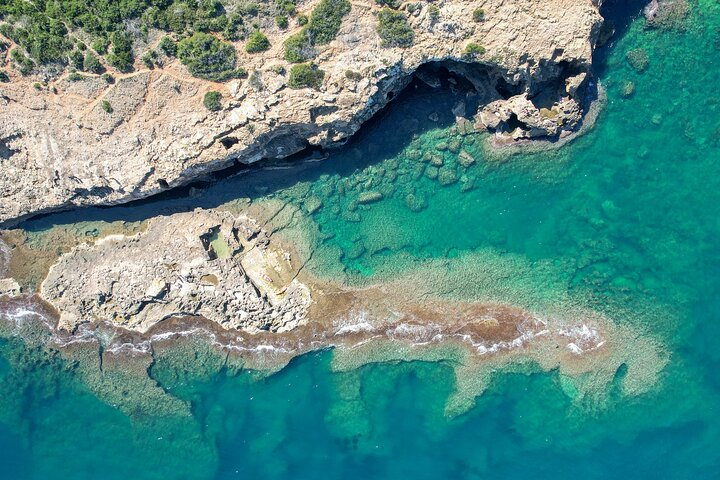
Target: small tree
{"x": 213, "y": 101}
{"x": 121, "y": 56}
{"x": 105, "y": 105}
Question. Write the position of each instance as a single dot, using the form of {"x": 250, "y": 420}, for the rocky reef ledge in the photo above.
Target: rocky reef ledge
{"x": 225, "y": 285}
{"x": 60, "y": 144}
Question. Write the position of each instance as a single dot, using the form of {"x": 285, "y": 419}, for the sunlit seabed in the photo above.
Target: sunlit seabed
{"x": 624, "y": 221}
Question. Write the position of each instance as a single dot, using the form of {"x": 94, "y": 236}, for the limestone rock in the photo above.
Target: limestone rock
{"x": 201, "y": 263}
{"x": 60, "y": 149}
{"x": 9, "y": 287}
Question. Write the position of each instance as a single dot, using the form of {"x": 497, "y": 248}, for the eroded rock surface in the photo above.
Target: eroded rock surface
{"x": 202, "y": 263}
{"x": 63, "y": 148}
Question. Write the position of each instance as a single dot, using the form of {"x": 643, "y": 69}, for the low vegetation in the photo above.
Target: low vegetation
{"x": 305, "y": 75}
{"x": 394, "y": 29}
{"x": 105, "y": 105}
{"x": 257, "y": 42}
{"x": 478, "y": 15}
{"x": 474, "y": 50}
{"x": 299, "y": 47}
{"x": 168, "y": 46}
{"x": 55, "y": 33}
{"x": 213, "y": 101}
{"x": 92, "y": 64}
{"x": 389, "y": 3}
{"x": 207, "y": 57}
{"x": 322, "y": 28}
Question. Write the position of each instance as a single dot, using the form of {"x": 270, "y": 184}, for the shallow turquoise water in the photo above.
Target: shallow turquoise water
{"x": 625, "y": 218}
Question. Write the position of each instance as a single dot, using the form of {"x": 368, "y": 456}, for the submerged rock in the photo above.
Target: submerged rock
{"x": 465, "y": 159}
{"x": 415, "y": 202}
{"x": 638, "y": 59}
{"x": 370, "y": 197}
{"x": 447, "y": 176}
{"x": 432, "y": 172}
{"x": 627, "y": 89}
{"x": 312, "y": 204}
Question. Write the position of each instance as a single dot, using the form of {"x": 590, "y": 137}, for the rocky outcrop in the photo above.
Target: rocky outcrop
{"x": 60, "y": 147}
{"x": 519, "y": 117}
{"x": 195, "y": 264}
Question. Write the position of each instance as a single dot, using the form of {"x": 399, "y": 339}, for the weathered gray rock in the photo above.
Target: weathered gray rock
{"x": 519, "y": 117}
{"x": 201, "y": 263}
{"x": 9, "y": 287}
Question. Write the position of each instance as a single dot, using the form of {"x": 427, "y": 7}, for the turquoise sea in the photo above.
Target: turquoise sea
{"x": 624, "y": 220}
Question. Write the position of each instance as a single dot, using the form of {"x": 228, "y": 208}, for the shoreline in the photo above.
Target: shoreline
{"x": 366, "y": 326}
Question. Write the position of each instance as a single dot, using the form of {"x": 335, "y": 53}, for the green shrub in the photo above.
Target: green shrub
{"x": 37, "y": 86}
{"x": 23, "y": 63}
{"x": 105, "y": 105}
{"x": 108, "y": 78}
{"x": 250, "y": 9}
{"x": 326, "y": 19}
{"x": 394, "y": 29}
{"x": 433, "y": 13}
{"x": 281, "y": 21}
{"x": 389, "y": 3}
{"x": 302, "y": 20}
{"x": 4, "y": 78}
{"x": 76, "y": 59}
{"x": 323, "y": 27}
{"x": 286, "y": 6}
{"x": 148, "y": 58}
{"x": 478, "y": 15}
{"x": 100, "y": 46}
{"x": 121, "y": 56}
{"x": 257, "y": 42}
{"x": 473, "y": 50}
{"x": 207, "y": 57}
{"x": 352, "y": 75}
{"x": 168, "y": 46}
{"x": 305, "y": 75}
{"x": 213, "y": 101}
{"x": 279, "y": 69}
{"x": 92, "y": 64}
{"x": 299, "y": 47}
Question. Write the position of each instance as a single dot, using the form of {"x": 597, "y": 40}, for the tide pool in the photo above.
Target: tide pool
{"x": 624, "y": 220}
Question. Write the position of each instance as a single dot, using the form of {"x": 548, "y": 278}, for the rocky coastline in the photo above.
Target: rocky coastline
{"x": 59, "y": 148}
{"x": 224, "y": 278}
